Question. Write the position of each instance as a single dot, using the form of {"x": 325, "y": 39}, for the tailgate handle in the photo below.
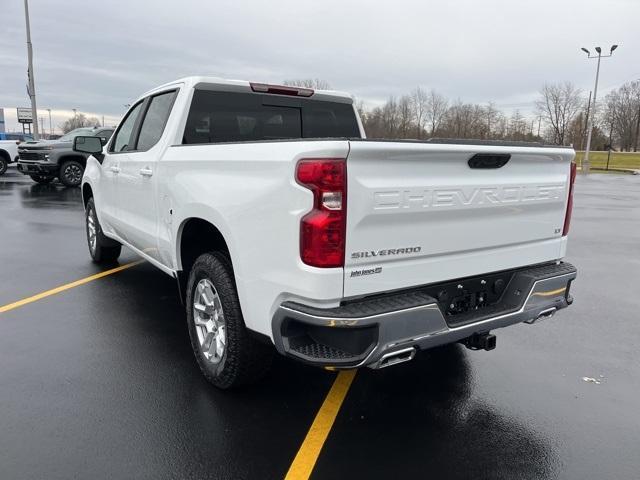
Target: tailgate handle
{"x": 489, "y": 160}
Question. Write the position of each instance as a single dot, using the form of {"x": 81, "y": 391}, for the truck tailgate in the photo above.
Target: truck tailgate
{"x": 418, "y": 213}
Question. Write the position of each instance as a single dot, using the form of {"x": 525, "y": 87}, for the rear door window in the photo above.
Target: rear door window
{"x": 236, "y": 117}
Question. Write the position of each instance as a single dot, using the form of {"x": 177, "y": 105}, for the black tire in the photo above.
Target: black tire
{"x": 4, "y": 164}
{"x": 41, "y": 179}
{"x": 105, "y": 249}
{"x": 71, "y": 173}
{"x": 245, "y": 359}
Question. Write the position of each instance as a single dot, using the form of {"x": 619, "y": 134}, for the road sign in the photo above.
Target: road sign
{"x": 24, "y": 115}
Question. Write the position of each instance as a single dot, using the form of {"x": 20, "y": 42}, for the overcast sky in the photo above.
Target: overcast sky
{"x": 98, "y": 56}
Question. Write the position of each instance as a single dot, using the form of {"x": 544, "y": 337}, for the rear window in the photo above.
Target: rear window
{"x": 239, "y": 117}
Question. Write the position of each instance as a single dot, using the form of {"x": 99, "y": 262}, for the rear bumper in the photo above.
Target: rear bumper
{"x": 369, "y": 331}
{"x": 45, "y": 169}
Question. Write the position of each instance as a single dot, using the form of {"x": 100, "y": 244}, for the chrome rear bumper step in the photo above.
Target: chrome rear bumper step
{"x": 385, "y": 330}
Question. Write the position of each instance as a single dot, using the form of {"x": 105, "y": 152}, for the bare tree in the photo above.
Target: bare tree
{"x": 420, "y": 101}
{"x": 558, "y": 105}
{"x": 77, "y": 121}
{"x": 623, "y": 111}
{"x": 390, "y": 120}
{"x": 492, "y": 115}
{"x": 406, "y": 125}
{"x": 518, "y": 127}
{"x": 437, "y": 107}
{"x": 576, "y": 130}
{"x": 464, "y": 120}
{"x": 315, "y": 83}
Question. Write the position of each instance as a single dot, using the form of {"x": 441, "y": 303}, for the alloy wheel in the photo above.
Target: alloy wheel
{"x": 91, "y": 231}
{"x": 210, "y": 324}
{"x": 73, "y": 173}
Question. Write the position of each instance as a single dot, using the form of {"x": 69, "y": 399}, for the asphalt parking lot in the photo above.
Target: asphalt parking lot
{"x": 99, "y": 381}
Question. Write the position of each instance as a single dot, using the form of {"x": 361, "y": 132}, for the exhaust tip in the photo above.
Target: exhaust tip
{"x": 394, "y": 358}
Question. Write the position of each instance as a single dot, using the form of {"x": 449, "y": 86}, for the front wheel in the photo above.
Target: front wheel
{"x": 71, "y": 173}
{"x": 101, "y": 248}
{"x": 41, "y": 179}
{"x": 227, "y": 355}
{"x": 4, "y": 164}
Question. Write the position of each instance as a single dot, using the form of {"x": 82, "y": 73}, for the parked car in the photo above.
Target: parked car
{"x": 9, "y": 148}
{"x": 285, "y": 227}
{"x": 45, "y": 160}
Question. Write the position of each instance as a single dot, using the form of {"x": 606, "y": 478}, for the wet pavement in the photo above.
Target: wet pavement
{"x": 99, "y": 381}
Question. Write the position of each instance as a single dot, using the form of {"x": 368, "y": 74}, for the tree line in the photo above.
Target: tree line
{"x": 561, "y": 116}
{"x": 426, "y": 113}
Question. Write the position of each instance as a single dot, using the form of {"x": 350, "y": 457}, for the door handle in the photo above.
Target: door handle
{"x": 114, "y": 169}
{"x": 146, "y": 172}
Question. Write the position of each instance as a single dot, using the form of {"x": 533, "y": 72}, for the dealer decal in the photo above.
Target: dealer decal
{"x": 366, "y": 271}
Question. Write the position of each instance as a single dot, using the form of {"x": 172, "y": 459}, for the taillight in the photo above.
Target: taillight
{"x": 567, "y": 217}
{"x": 322, "y": 230}
{"x": 281, "y": 89}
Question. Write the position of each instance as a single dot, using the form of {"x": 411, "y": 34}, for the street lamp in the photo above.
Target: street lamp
{"x": 585, "y": 161}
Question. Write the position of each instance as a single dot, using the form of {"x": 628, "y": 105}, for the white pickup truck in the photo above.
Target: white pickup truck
{"x": 285, "y": 227}
{"x": 9, "y": 148}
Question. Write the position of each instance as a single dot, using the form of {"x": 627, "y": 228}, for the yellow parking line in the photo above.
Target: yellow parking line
{"x": 307, "y": 455}
{"x": 62, "y": 288}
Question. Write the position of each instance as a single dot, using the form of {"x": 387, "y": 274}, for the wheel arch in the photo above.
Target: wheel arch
{"x": 72, "y": 156}
{"x": 196, "y": 236}
{"x": 5, "y": 155}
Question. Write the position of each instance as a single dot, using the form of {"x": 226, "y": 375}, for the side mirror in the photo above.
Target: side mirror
{"x": 92, "y": 145}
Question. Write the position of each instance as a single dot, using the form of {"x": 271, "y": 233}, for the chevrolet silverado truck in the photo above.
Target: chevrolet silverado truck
{"x": 285, "y": 227}
{"x": 46, "y": 160}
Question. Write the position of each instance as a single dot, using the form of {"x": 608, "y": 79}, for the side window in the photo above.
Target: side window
{"x": 155, "y": 119}
{"x": 123, "y": 135}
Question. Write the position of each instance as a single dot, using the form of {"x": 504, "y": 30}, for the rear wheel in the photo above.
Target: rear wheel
{"x": 4, "y": 164}
{"x": 71, "y": 173}
{"x": 41, "y": 179}
{"x": 227, "y": 355}
{"x": 102, "y": 249}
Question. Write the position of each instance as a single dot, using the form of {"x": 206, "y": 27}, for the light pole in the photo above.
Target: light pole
{"x": 585, "y": 161}
{"x": 32, "y": 82}
{"x": 50, "y": 129}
